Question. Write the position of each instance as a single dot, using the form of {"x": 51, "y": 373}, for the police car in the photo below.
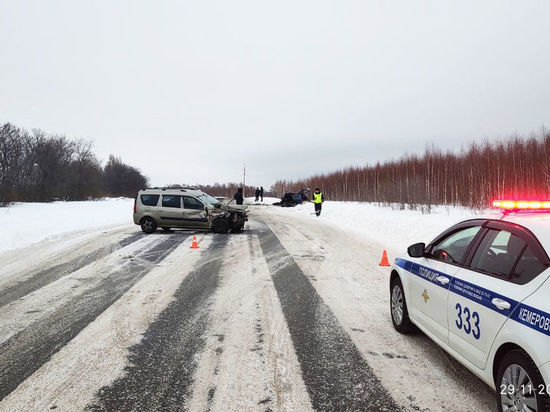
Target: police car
{"x": 481, "y": 291}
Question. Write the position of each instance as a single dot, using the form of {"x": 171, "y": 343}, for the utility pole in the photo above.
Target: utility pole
{"x": 244, "y": 179}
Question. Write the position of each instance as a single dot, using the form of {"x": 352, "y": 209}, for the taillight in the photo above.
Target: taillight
{"x": 135, "y": 205}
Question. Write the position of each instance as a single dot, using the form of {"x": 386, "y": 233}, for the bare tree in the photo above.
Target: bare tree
{"x": 36, "y": 166}
{"x": 472, "y": 177}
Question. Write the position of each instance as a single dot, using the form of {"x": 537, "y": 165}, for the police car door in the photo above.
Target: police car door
{"x": 483, "y": 295}
{"x": 429, "y": 288}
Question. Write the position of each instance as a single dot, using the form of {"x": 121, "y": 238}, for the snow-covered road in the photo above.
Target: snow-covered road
{"x": 290, "y": 315}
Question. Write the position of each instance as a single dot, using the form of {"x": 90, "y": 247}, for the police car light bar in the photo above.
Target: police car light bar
{"x": 522, "y": 204}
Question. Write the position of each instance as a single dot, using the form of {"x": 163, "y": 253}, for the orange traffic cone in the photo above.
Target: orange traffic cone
{"x": 384, "y": 261}
{"x": 194, "y": 245}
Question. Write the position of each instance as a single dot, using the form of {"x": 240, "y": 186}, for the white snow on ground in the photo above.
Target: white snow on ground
{"x": 250, "y": 356}
{"x": 390, "y": 227}
{"x": 343, "y": 268}
{"x": 26, "y": 223}
{"x": 266, "y": 201}
{"x": 87, "y": 363}
{"x": 340, "y": 258}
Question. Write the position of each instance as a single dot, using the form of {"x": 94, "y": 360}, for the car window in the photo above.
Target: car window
{"x": 527, "y": 268}
{"x": 500, "y": 242}
{"x": 171, "y": 201}
{"x": 192, "y": 203}
{"x": 150, "y": 200}
{"x": 452, "y": 249}
{"x": 498, "y": 252}
{"x": 212, "y": 201}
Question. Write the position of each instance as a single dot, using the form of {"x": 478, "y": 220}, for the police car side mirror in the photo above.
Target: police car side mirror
{"x": 416, "y": 250}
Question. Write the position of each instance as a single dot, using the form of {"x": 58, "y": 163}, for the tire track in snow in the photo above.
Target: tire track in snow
{"x": 160, "y": 376}
{"x": 22, "y": 354}
{"x": 248, "y": 363}
{"x": 337, "y": 377}
{"x": 355, "y": 288}
{"x": 49, "y": 275}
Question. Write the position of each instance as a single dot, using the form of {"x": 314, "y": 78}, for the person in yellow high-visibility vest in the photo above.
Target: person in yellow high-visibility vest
{"x": 318, "y": 199}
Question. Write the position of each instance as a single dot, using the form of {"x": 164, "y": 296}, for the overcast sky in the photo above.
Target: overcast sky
{"x": 189, "y": 91}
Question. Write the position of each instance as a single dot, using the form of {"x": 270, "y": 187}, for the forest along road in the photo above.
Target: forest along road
{"x": 292, "y": 314}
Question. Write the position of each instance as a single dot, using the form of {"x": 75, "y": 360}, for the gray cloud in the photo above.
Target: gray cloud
{"x": 189, "y": 91}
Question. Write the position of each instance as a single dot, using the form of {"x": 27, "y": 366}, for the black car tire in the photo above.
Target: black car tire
{"x": 518, "y": 358}
{"x": 237, "y": 228}
{"x": 148, "y": 224}
{"x": 220, "y": 225}
{"x": 403, "y": 325}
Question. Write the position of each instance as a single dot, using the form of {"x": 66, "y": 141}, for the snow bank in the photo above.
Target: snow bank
{"x": 26, "y": 223}
{"x": 391, "y": 228}
{"x": 267, "y": 200}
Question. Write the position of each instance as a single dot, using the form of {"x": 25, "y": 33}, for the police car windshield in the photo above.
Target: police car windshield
{"x": 209, "y": 200}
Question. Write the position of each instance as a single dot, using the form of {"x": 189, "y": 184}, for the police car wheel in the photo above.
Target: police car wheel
{"x": 148, "y": 224}
{"x": 398, "y": 308}
{"x": 519, "y": 384}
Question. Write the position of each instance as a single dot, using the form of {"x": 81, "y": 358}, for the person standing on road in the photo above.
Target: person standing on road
{"x": 262, "y": 193}
{"x": 239, "y": 196}
{"x": 318, "y": 199}
{"x": 257, "y": 194}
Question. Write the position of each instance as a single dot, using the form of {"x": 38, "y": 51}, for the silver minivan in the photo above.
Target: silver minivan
{"x": 187, "y": 209}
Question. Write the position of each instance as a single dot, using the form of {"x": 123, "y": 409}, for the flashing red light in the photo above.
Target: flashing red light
{"x": 522, "y": 204}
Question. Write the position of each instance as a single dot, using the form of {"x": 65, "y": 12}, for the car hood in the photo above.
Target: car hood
{"x": 234, "y": 208}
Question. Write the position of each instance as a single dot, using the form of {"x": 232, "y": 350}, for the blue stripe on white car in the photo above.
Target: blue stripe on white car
{"x": 524, "y": 314}
{"x": 532, "y": 318}
{"x": 424, "y": 272}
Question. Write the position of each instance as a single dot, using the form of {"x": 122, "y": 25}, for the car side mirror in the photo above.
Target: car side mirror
{"x": 417, "y": 250}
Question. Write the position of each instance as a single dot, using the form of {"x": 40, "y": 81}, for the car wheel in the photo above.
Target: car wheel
{"x": 237, "y": 228}
{"x": 398, "y": 307}
{"x": 148, "y": 224}
{"x": 519, "y": 384}
{"x": 220, "y": 225}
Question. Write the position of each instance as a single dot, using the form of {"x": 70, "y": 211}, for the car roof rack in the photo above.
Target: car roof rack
{"x": 182, "y": 189}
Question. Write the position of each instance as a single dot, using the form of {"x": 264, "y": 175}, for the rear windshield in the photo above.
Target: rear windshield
{"x": 150, "y": 200}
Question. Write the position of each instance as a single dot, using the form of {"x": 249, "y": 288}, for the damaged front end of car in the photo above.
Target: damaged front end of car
{"x": 235, "y": 216}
